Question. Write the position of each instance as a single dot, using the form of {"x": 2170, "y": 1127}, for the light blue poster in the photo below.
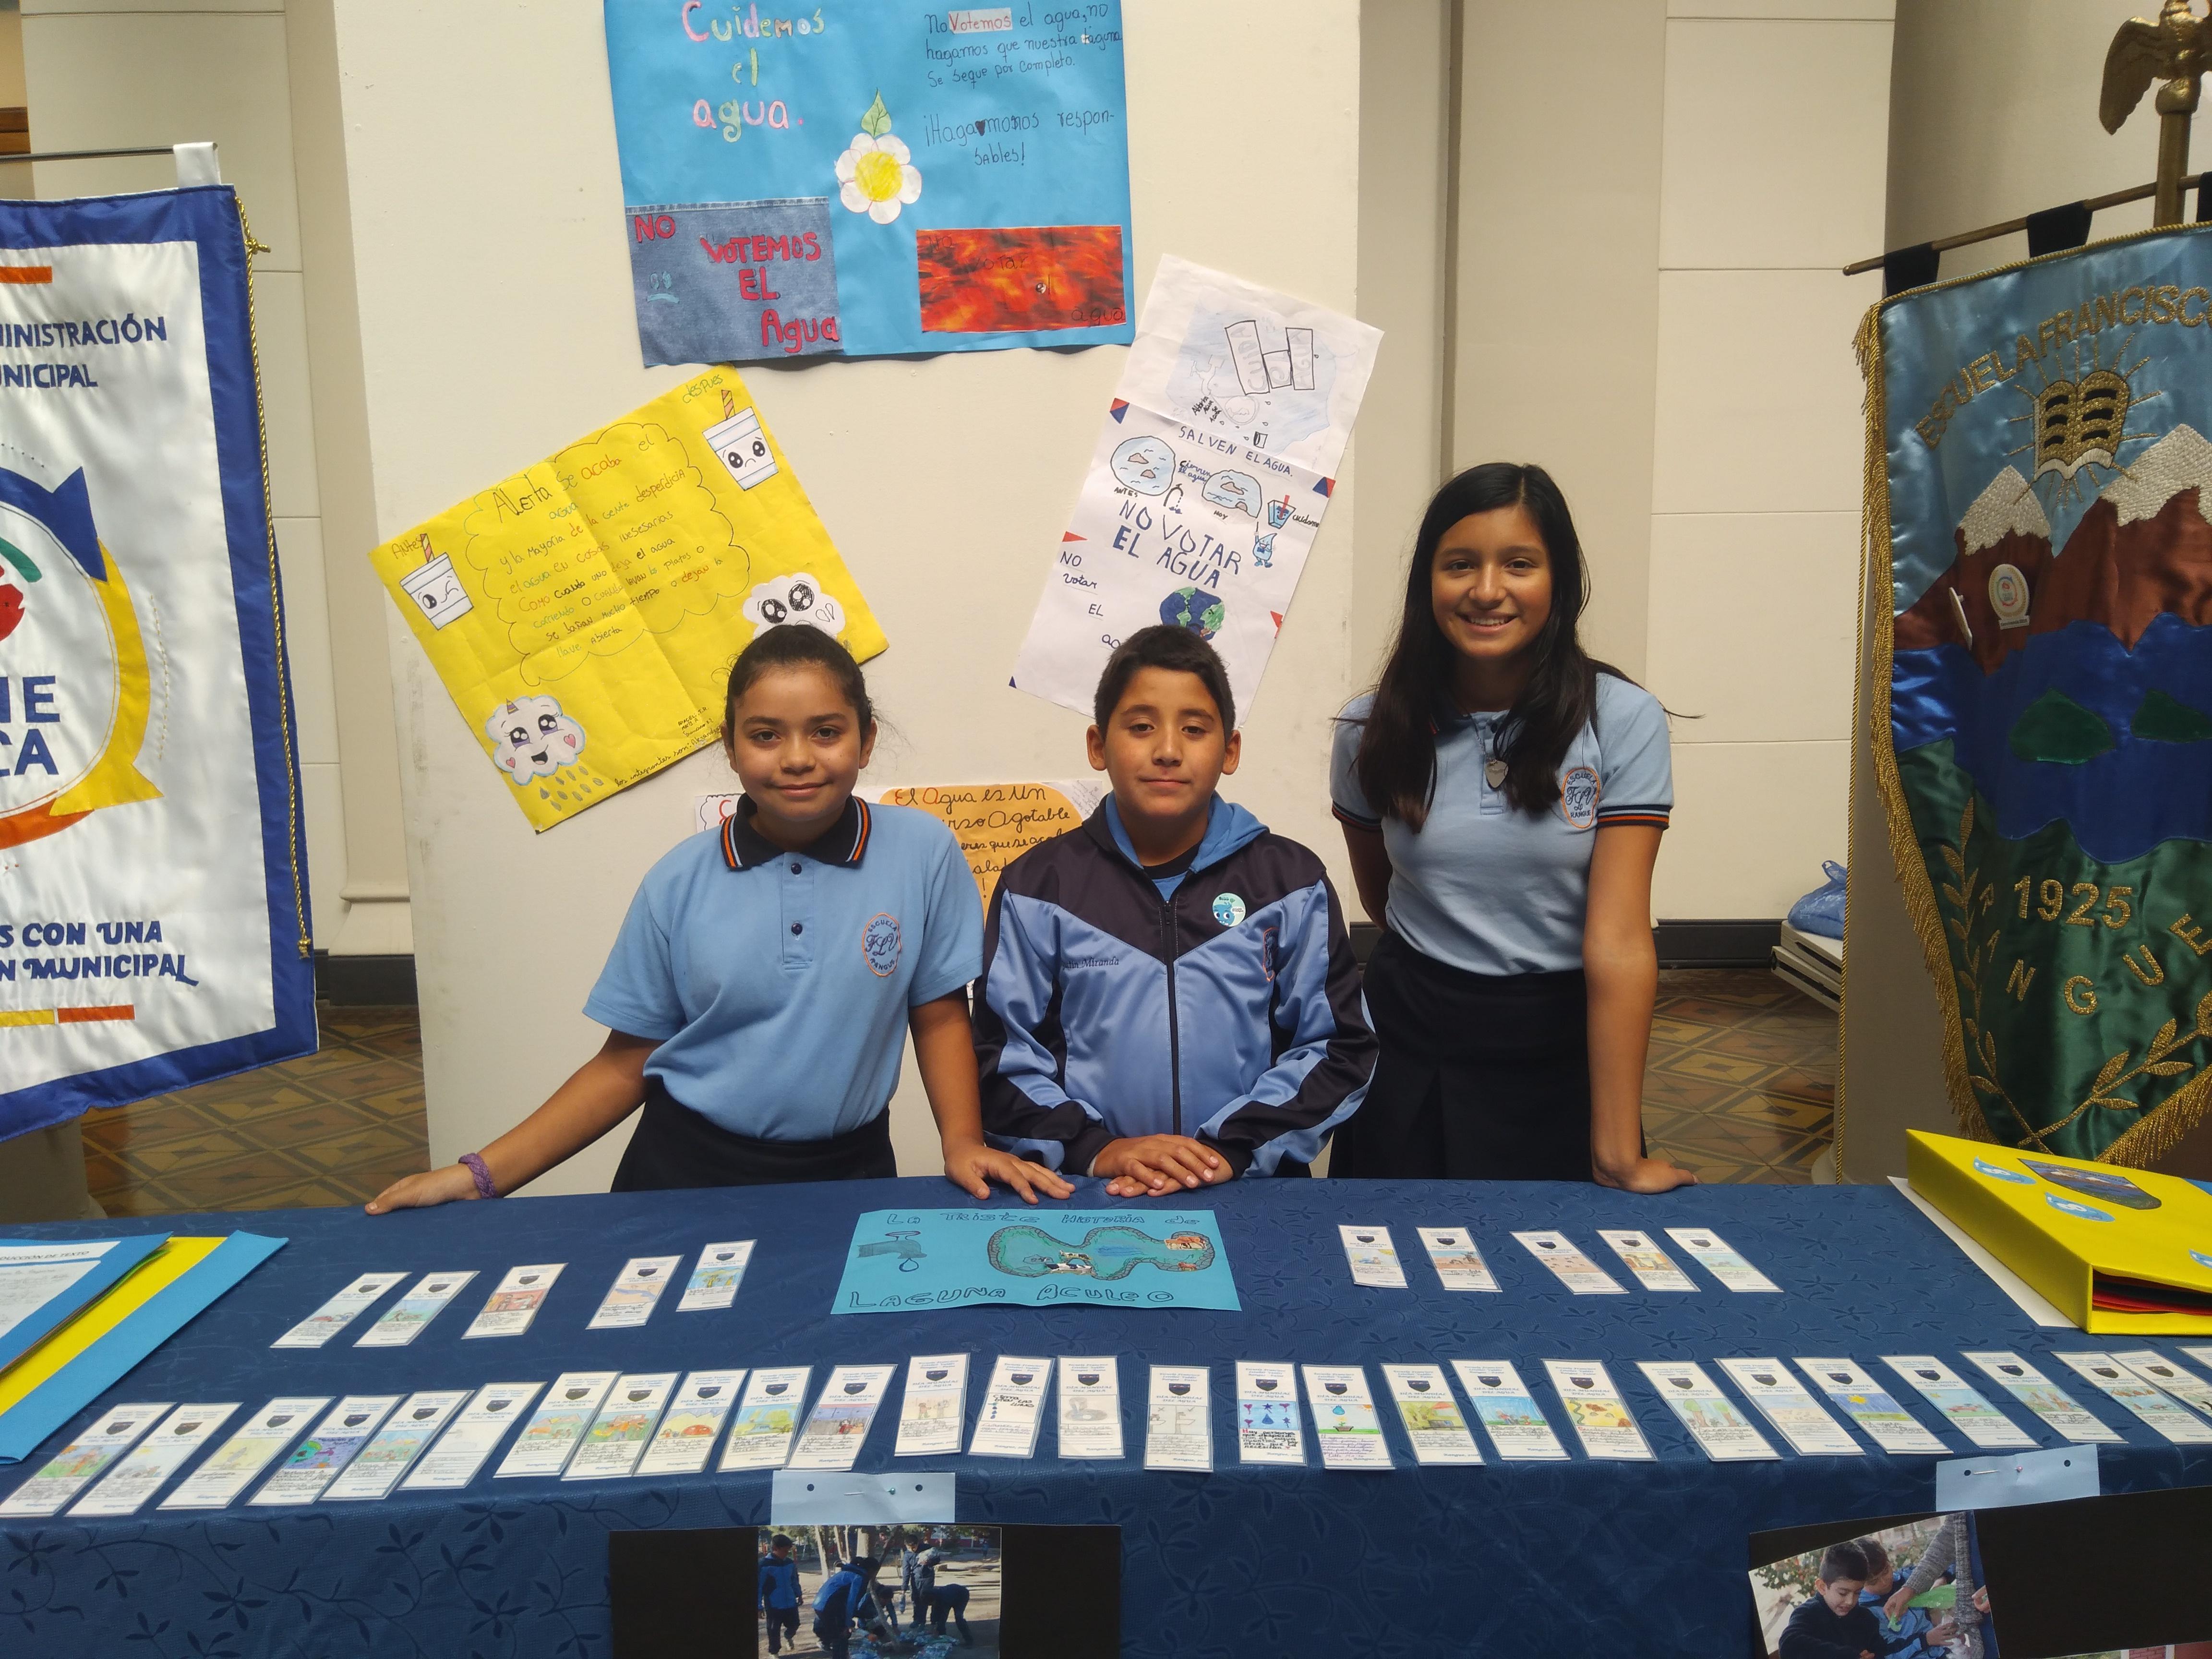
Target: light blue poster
{"x": 872, "y": 177}
{"x": 906, "y": 1261}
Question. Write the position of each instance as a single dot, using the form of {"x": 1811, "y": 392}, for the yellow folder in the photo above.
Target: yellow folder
{"x": 133, "y": 1292}
{"x": 2113, "y": 1249}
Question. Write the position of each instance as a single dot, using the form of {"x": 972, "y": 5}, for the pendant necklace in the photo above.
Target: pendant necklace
{"x": 1493, "y": 769}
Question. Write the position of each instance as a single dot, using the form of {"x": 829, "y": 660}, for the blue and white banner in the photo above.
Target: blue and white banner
{"x": 154, "y": 922}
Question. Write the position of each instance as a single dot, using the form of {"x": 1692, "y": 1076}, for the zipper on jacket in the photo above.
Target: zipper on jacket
{"x": 1175, "y": 1038}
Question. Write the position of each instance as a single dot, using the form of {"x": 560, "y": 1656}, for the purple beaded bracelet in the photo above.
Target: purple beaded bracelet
{"x": 475, "y": 1165}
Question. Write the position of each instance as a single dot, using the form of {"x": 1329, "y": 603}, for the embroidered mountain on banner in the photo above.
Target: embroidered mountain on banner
{"x": 2143, "y": 549}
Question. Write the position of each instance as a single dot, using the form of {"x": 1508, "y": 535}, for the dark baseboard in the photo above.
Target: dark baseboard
{"x": 1681, "y": 944}
{"x": 359, "y": 981}
{"x": 1717, "y": 944}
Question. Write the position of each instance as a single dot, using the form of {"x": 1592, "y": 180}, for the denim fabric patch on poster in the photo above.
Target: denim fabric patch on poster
{"x": 730, "y": 282}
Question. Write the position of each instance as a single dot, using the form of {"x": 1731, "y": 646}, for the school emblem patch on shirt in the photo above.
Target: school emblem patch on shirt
{"x": 1228, "y": 909}
{"x": 1578, "y": 797}
{"x": 879, "y": 944}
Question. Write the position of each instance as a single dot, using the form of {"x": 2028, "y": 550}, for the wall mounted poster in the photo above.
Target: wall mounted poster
{"x": 2039, "y": 446}
{"x": 903, "y": 1260}
{"x": 1206, "y": 488}
{"x": 585, "y": 612}
{"x": 868, "y": 177}
{"x": 154, "y": 932}
{"x": 995, "y": 822}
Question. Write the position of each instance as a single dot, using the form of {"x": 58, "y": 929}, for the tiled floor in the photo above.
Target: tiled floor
{"x": 335, "y": 1127}
{"x": 1741, "y": 1084}
{"x": 1741, "y": 1087}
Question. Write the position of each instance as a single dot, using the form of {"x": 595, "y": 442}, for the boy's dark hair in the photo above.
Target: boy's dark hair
{"x": 1877, "y": 1557}
{"x": 793, "y": 645}
{"x": 1163, "y": 646}
{"x": 781, "y": 1541}
{"x": 1842, "y": 1561}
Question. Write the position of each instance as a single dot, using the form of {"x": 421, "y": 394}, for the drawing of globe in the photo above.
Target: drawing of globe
{"x": 1195, "y": 608}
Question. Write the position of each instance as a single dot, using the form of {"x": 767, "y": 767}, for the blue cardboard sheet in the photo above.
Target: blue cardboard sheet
{"x": 906, "y": 1260}
{"x": 27, "y": 1256}
{"x": 867, "y": 177}
{"x": 105, "y": 1363}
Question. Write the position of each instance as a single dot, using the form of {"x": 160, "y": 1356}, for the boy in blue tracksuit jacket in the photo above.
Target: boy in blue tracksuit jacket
{"x": 779, "y": 1593}
{"x": 1169, "y": 997}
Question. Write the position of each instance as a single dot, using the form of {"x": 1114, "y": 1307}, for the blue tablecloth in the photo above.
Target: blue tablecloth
{"x": 1575, "y": 1558}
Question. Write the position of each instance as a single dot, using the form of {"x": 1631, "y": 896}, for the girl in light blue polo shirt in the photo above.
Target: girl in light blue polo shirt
{"x": 1502, "y": 797}
{"x": 760, "y": 992}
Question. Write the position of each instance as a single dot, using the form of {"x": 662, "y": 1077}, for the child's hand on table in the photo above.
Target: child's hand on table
{"x": 974, "y": 1166}
{"x": 1148, "y": 1165}
{"x": 421, "y": 1192}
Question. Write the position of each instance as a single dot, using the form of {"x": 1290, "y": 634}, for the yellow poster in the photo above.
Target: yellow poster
{"x": 995, "y": 822}
{"x": 585, "y": 612}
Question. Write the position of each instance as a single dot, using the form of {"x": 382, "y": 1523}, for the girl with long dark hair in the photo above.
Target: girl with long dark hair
{"x": 1502, "y": 796}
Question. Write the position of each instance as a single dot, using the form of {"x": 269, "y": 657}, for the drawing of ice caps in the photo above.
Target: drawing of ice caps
{"x": 532, "y": 738}
{"x": 1144, "y": 464}
{"x": 1237, "y": 489}
{"x": 790, "y": 599}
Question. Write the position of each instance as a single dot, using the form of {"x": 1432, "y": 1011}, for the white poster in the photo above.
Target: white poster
{"x": 155, "y": 932}
{"x": 1213, "y": 468}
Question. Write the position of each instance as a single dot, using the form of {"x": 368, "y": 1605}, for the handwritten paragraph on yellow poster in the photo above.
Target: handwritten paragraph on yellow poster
{"x": 585, "y": 612}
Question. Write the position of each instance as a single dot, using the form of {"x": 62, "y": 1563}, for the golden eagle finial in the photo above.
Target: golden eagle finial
{"x": 2174, "y": 50}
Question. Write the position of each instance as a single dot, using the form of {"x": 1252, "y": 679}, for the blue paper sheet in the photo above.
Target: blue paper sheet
{"x": 870, "y": 177}
{"x": 103, "y": 1364}
{"x": 905, "y": 1260}
{"x": 119, "y": 1259}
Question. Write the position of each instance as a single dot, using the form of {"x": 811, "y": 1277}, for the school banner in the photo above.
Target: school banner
{"x": 153, "y": 928}
{"x": 858, "y": 178}
{"x": 2040, "y": 514}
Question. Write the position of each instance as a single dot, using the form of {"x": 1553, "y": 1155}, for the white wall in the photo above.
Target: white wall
{"x": 106, "y": 74}
{"x": 496, "y": 323}
{"x": 1993, "y": 114}
{"x": 1774, "y": 143}
{"x": 1654, "y": 199}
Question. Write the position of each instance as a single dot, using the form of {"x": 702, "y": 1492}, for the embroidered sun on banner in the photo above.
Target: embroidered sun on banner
{"x": 2040, "y": 501}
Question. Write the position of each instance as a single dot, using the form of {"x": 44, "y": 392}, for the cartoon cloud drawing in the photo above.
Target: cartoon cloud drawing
{"x": 1237, "y": 489}
{"x": 795, "y": 598}
{"x": 1144, "y": 464}
{"x": 530, "y": 738}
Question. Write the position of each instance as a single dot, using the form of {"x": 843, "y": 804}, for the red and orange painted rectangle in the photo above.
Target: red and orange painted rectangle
{"x": 66, "y": 1016}
{"x": 1020, "y": 279}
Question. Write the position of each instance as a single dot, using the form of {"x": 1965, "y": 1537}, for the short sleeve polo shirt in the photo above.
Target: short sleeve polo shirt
{"x": 777, "y": 984}
{"x": 1489, "y": 889}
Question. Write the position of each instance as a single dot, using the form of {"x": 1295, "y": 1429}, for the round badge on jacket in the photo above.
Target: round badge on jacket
{"x": 879, "y": 944}
{"x": 1578, "y": 797}
{"x": 1228, "y": 909}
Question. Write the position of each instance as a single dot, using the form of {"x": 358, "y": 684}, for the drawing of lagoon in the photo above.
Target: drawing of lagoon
{"x": 1029, "y": 1252}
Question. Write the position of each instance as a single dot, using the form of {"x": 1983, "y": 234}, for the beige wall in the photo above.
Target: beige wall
{"x": 120, "y": 73}
{"x": 1993, "y": 114}
{"x": 1654, "y": 198}
{"x": 496, "y": 323}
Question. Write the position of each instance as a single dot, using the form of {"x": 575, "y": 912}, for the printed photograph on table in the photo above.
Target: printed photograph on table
{"x": 930, "y": 1592}
{"x": 1908, "y": 1587}
{"x": 864, "y": 179}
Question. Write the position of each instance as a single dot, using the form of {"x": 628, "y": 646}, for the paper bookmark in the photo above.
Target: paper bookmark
{"x": 631, "y": 1300}
{"x": 1722, "y": 1433}
{"x": 253, "y": 1448}
{"x": 1654, "y": 1268}
{"x": 768, "y": 1422}
{"x": 509, "y": 1310}
{"x": 317, "y": 1460}
{"x": 1179, "y": 1419}
{"x": 1781, "y": 1399}
{"x": 1508, "y": 1410}
{"x": 2058, "y": 1408}
{"x": 685, "y": 1439}
{"x": 1714, "y": 1256}
{"x": 1014, "y": 1407}
{"x": 1346, "y": 1427}
{"x": 1268, "y": 1430}
{"x": 1089, "y": 1407}
{"x": 1459, "y": 1265}
{"x": 934, "y": 1405}
{"x": 1958, "y": 1402}
{"x": 550, "y": 1439}
{"x": 714, "y": 1281}
{"x": 403, "y": 1437}
{"x": 620, "y": 1433}
{"x": 84, "y": 1460}
{"x": 1574, "y": 1270}
{"x": 1430, "y": 1415}
{"x": 341, "y": 1311}
{"x": 1855, "y": 1393}
{"x": 839, "y": 1426}
{"x": 1373, "y": 1257}
{"x": 160, "y": 1454}
{"x": 472, "y": 1438}
{"x": 1601, "y": 1417}
{"x": 405, "y": 1319}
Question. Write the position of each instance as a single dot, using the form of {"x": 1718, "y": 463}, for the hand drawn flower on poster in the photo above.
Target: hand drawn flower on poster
{"x": 875, "y": 175}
